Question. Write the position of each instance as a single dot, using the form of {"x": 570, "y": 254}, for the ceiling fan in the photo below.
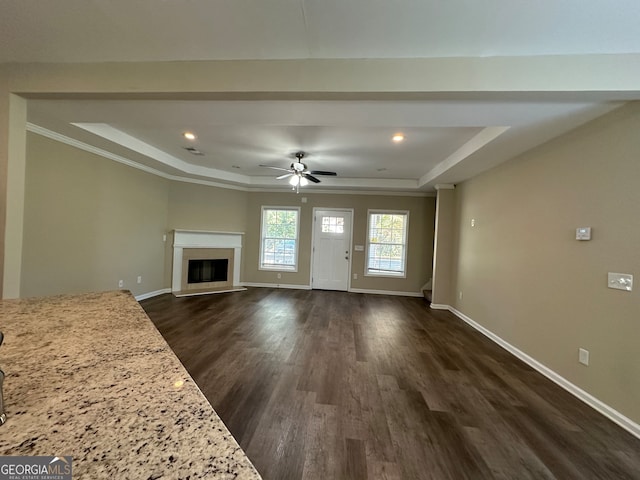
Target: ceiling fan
{"x": 298, "y": 173}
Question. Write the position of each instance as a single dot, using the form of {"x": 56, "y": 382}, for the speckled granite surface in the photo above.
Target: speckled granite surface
{"x": 90, "y": 376}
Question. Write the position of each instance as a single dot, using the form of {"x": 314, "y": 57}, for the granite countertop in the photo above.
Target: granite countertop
{"x": 90, "y": 376}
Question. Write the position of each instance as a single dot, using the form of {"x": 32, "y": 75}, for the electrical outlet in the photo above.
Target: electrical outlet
{"x": 139, "y": 279}
{"x": 355, "y": 276}
{"x": 583, "y": 356}
{"x": 120, "y": 283}
{"x": 279, "y": 275}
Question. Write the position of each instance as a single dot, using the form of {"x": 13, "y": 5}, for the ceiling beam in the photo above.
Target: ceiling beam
{"x": 615, "y": 75}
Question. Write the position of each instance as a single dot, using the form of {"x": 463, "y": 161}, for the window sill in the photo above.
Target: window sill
{"x": 386, "y": 275}
{"x": 275, "y": 268}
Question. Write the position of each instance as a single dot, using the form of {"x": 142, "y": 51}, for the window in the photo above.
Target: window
{"x": 387, "y": 243}
{"x": 279, "y": 238}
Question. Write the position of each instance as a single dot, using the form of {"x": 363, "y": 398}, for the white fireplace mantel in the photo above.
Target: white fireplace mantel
{"x": 202, "y": 239}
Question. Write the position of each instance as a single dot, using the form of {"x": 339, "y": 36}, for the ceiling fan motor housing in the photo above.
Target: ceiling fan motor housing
{"x": 298, "y": 166}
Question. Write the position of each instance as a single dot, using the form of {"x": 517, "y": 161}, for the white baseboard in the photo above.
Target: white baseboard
{"x": 276, "y": 285}
{"x": 612, "y": 414}
{"x": 386, "y": 292}
{"x": 144, "y": 296}
{"x": 439, "y": 306}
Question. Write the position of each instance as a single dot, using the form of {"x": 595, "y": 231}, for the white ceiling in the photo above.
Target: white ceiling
{"x": 145, "y": 30}
{"x": 352, "y": 138}
{"x": 447, "y": 140}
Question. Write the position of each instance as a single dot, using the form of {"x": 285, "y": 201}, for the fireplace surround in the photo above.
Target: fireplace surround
{"x": 209, "y": 253}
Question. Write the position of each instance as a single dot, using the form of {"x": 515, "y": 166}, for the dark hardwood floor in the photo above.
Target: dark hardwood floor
{"x": 334, "y": 385}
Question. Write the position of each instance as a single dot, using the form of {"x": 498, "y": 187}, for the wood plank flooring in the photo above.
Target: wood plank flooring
{"x": 335, "y": 385}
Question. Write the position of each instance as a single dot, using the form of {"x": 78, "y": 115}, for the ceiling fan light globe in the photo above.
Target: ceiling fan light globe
{"x": 294, "y": 180}
{"x": 304, "y": 182}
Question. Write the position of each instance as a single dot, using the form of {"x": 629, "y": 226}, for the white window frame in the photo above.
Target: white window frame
{"x": 405, "y": 244}
{"x": 273, "y": 267}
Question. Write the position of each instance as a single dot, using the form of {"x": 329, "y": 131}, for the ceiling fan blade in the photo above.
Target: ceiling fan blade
{"x": 284, "y": 176}
{"x": 276, "y": 168}
{"x": 311, "y": 177}
{"x": 322, "y": 172}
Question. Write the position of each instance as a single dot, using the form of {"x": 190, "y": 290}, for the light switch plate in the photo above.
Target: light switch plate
{"x": 620, "y": 281}
{"x": 583, "y": 356}
{"x": 583, "y": 233}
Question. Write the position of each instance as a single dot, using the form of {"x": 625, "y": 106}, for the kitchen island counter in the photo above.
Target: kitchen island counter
{"x": 90, "y": 376}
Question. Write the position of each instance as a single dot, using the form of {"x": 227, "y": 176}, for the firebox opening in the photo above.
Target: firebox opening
{"x": 201, "y": 271}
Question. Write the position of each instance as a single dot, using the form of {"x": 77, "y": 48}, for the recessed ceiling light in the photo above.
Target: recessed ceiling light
{"x": 398, "y": 137}
{"x": 189, "y": 135}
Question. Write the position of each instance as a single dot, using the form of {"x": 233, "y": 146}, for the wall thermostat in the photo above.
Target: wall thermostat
{"x": 583, "y": 233}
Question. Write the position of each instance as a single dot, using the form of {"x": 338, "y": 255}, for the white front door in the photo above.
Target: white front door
{"x": 331, "y": 249}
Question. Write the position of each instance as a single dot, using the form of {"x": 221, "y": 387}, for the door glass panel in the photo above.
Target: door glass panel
{"x": 332, "y": 224}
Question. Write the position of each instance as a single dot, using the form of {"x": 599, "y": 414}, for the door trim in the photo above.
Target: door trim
{"x": 313, "y": 240}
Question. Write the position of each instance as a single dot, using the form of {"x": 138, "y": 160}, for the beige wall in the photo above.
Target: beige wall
{"x": 525, "y": 277}
{"x": 420, "y": 246}
{"x": 5, "y": 119}
{"x": 202, "y": 207}
{"x": 16, "y": 142}
{"x": 89, "y": 222}
{"x": 442, "y": 294}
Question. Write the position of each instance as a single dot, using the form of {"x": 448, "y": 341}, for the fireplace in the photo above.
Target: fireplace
{"x": 205, "y": 262}
{"x": 206, "y": 268}
{"x": 203, "y": 271}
